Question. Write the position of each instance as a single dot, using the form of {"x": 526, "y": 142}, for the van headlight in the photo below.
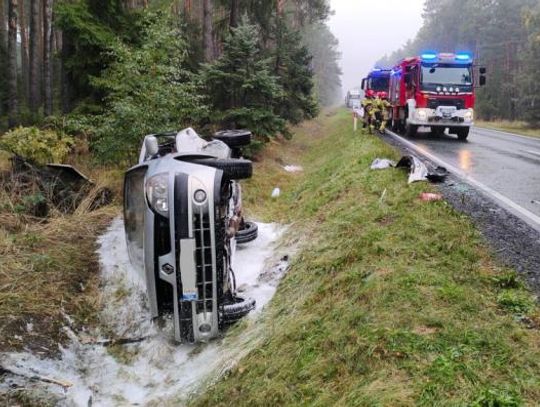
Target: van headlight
{"x": 469, "y": 115}
{"x": 421, "y": 114}
{"x": 157, "y": 193}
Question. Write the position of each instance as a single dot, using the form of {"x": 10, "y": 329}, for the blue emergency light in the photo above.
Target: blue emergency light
{"x": 429, "y": 55}
{"x": 463, "y": 56}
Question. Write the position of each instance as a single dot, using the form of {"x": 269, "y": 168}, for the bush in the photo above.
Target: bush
{"x": 39, "y": 146}
{"x": 149, "y": 90}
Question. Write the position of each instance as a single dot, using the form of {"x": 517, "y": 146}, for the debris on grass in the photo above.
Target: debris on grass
{"x": 430, "y": 197}
{"x": 276, "y": 193}
{"x": 417, "y": 169}
{"x": 293, "y": 168}
{"x": 382, "y": 163}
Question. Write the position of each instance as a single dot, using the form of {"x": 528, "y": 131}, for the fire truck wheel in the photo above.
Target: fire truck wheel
{"x": 463, "y": 133}
{"x": 437, "y": 131}
{"x": 411, "y": 130}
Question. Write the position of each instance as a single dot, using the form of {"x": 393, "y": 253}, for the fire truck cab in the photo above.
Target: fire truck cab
{"x": 434, "y": 90}
{"x": 376, "y": 83}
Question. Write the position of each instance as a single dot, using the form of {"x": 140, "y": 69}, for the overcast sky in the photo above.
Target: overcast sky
{"x": 368, "y": 29}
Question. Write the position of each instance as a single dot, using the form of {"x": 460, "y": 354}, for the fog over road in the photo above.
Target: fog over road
{"x": 506, "y": 163}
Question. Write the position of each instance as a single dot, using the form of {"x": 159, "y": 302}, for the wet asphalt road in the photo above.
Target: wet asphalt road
{"x": 508, "y": 164}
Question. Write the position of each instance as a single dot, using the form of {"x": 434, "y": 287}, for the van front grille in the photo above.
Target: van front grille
{"x": 204, "y": 261}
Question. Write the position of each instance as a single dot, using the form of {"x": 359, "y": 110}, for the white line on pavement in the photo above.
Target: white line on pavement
{"x": 532, "y": 152}
{"x": 507, "y": 133}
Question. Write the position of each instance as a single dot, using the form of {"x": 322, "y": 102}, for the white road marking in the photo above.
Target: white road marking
{"x": 527, "y": 216}
{"x": 532, "y": 152}
{"x": 507, "y": 133}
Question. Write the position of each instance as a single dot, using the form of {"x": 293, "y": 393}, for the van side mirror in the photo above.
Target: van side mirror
{"x": 483, "y": 70}
{"x": 151, "y": 145}
{"x": 482, "y": 80}
{"x": 364, "y": 83}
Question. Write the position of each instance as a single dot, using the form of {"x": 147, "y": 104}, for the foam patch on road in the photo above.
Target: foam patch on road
{"x": 157, "y": 370}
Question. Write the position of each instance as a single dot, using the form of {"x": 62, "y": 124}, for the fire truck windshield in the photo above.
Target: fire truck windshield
{"x": 379, "y": 84}
{"x": 439, "y": 74}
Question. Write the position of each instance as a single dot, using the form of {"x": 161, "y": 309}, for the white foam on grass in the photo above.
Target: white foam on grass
{"x": 158, "y": 371}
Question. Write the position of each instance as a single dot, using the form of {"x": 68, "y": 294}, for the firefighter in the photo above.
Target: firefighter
{"x": 382, "y": 111}
{"x": 368, "y": 105}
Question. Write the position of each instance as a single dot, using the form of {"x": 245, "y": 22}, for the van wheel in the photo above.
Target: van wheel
{"x": 238, "y": 309}
{"x": 247, "y": 233}
{"x": 232, "y": 168}
{"x": 234, "y": 138}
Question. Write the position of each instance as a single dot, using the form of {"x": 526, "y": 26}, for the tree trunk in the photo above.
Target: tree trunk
{"x": 208, "y": 43}
{"x": 13, "y": 103}
{"x": 66, "y": 88}
{"x": 233, "y": 20}
{"x": 280, "y": 7}
{"x": 34, "y": 56}
{"x": 47, "y": 57}
{"x": 3, "y": 30}
{"x": 3, "y": 60}
{"x": 24, "y": 51}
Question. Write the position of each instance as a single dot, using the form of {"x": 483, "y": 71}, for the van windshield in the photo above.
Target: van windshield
{"x": 438, "y": 74}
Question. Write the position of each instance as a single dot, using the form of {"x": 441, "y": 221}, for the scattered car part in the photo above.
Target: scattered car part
{"x": 430, "y": 197}
{"x": 438, "y": 174}
{"x": 382, "y": 163}
{"x": 417, "y": 170}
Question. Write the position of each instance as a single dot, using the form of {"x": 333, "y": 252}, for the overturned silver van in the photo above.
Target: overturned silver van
{"x": 183, "y": 218}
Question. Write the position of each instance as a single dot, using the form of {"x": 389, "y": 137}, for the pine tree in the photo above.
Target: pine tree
{"x": 292, "y": 67}
{"x": 240, "y": 86}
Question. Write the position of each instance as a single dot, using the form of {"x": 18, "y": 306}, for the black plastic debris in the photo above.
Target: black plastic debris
{"x": 418, "y": 171}
{"x": 438, "y": 174}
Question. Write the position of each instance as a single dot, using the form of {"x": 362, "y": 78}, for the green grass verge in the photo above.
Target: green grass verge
{"x": 390, "y": 302}
{"x": 511, "y": 127}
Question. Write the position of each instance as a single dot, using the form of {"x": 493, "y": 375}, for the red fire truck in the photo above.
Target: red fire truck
{"x": 376, "y": 83}
{"x": 434, "y": 90}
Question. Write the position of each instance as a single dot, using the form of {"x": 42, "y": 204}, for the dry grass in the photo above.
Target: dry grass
{"x": 49, "y": 270}
{"x": 511, "y": 127}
